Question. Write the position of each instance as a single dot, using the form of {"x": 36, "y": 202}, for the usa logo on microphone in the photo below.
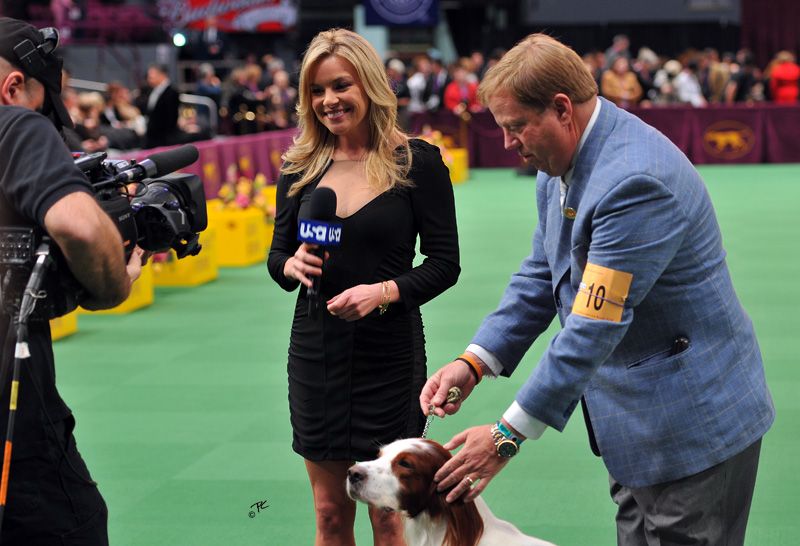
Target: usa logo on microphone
{"x": 316, "y": 232}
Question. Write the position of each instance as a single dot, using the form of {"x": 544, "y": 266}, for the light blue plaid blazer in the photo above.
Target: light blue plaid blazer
{"x": 641, "y": 208}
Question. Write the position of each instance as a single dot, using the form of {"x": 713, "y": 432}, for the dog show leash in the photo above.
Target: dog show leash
{"x": 453, "y": 396}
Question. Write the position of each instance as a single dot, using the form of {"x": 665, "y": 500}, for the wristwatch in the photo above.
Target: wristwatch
{"x": 506, "y": 444}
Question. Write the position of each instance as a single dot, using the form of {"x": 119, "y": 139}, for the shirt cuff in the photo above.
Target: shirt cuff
{"x": 523, "y": 423}
{"x": 491, "y": 365}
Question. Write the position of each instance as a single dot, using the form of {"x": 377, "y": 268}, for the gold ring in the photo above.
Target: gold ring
{"x": 470, "y": 480}
{"x": 453, "y": 395}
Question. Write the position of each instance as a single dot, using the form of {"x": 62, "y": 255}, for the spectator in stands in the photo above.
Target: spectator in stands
{"x": 253, "y": 74}
{"x": 461, "y": 95}
{"x": 687, "y": 85}
{"x": 282, "y": 99}
{"x": 619, "y": 48}
{"x": 71, "y": 137}
{"x": 271, "y": 64}
{"x": 128, "y": 124}
{"x": 620, "y": 85}
{"x": 783, "y": 75}
{"x": 162, "y": 109}
{"x": 595, "y": 63}
{"x": 714, "y": 76}
{"x": 745, "y": 85}
{"x": 645, "y": 67}
{"x": 418, "y": 85}
{"x": 478, "y": 63}
{"x": 468, "y": 64}
{"x": 208, "y": 84}
{"x": 91, "y": 106}
{"x": 665, "y": 82}
{"x": 396, "y": 71}
{"x": 242, "y": 103}
{"x": 192, "y": 126}
{"x": 437, "y": 82}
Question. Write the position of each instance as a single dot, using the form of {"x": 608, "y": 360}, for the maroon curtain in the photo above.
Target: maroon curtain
{"x": 769, "y": 26}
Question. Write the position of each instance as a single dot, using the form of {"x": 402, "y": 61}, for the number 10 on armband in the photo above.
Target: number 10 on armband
{"x": 602, "y": 293}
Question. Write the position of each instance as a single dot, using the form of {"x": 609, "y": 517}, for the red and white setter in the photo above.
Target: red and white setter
{"x": 401, "y": 479}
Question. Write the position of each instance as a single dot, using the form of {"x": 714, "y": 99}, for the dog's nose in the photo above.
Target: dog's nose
{"x": 355, "y": 474}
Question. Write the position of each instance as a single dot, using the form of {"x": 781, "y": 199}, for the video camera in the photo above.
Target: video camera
{"x": 163, "y": 211}
{"x": 153, "y": 208}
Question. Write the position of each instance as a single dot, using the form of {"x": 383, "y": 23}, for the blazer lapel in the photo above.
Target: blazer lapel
{"x": 559, "y": 229}
{"x": 561, "y": 220}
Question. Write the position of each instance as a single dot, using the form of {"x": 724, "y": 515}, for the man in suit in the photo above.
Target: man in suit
{"x": 161, "y": 109}
{"x": 654, "y": 343}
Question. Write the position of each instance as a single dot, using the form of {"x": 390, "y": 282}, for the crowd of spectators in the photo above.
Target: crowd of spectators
{"x": 122, "y": 119}
{"x": 261, "y": 94}
{"x": 696, "y": 77}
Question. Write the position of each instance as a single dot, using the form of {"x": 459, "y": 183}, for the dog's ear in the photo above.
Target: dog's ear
{"x": 421, "y": 494}
{"x": 464, "y": 523}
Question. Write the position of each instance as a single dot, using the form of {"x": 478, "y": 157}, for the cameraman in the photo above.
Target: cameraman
{"x": 51, "y": 496}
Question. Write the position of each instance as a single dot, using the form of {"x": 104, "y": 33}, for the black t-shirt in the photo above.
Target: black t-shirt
{"x": 36, "y": 170}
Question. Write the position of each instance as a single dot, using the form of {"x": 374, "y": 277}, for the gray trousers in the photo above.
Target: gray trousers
{"x": 709, "y": 508}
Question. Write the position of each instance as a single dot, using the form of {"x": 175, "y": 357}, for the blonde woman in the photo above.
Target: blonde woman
{"x": 356, "y": 372}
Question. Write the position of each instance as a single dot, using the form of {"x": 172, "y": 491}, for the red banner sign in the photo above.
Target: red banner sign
{"x": 230, "y": 15}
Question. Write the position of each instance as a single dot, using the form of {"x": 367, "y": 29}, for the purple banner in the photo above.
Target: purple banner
{"x": 782, "y": 134}
{"x": 764, "y": 133}
{"x": 243, "y": 156}
{"x": 727, "y": 135}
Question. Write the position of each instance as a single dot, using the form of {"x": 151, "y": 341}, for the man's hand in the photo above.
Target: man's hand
{"x": 135, "y": 263}
{"x": 454, "y": 374}
{"x": 477, "y": 460}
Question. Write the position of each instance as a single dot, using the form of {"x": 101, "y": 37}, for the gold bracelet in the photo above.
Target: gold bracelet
{"x": 385, "y": 297}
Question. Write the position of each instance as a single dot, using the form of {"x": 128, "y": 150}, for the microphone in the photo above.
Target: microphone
{"x": 159, "y": 164}
{"x": 320, "y": 230}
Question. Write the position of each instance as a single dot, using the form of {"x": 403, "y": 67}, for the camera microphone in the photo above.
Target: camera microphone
{"x": 159, "y": 164}
{"x": 320, "y": 230}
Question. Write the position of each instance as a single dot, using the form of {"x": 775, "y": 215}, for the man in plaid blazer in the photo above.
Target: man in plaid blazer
{"x": 654, "y": 342}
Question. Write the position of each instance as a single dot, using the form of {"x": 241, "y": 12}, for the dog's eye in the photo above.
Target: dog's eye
{"x": 405, "y": 463}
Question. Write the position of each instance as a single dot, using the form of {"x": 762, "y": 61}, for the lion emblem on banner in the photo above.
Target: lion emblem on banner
{"x": 728, "y": 139}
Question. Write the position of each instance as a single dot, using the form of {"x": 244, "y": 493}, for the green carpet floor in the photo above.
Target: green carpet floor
{"x": 182, "y": 407}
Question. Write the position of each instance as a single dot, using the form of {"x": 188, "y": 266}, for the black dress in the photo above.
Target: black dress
{"x": 354, "y": 386}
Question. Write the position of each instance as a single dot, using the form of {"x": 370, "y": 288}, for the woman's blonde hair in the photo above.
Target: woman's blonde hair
{"x": 312, "y": 149}
{"x": 535, "y": 70}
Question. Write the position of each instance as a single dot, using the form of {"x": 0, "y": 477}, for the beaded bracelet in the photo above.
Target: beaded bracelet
{"x": 385, "y": 297}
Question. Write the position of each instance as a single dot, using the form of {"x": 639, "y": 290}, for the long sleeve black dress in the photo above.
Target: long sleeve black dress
{"x": 354, "y": 386}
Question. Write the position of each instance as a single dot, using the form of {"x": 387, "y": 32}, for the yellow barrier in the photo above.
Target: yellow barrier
{"x": 191, "y": 270}
{"x": 64, "y": 326}
{"x": 142, "y": 295}
{"x": 459, "y": 165}
{"x": 241, "y": 235}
